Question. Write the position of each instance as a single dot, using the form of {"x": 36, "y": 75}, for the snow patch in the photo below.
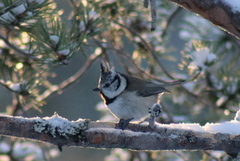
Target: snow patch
{"x": 36, "y": 1}
{"x": 92, "y": 15}
{"x": 19, "y": 9}
{"x": 64, "y": 52}
{"x": 185, "y": 126}
{"x": 237, "y": 116}
{"x": 57, "y": 125}
{"x": 230, "y": 127}
{"x": 201, "y": 58}
{"x": 54, "y": 38}
{"x": 8, "y": 17}
{"x": 18, "y": 87}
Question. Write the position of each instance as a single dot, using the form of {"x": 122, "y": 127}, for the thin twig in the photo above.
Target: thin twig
{"x": 14, "y": 47}
{"x": 141, "y": 71}
{"x": 146, "y": 3}
{"x": 65, "y": 83}
{"x": 160, "y": 64}
{"x": 153, "y": 14}
{"x": 149, "y": 49}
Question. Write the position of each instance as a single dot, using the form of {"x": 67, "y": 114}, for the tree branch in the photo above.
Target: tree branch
{"x": 83, "y": 133}
{"x": 218, "y": 12}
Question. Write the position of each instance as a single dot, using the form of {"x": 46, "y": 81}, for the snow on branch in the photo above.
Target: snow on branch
{"x": 84, "y": 133}
{"x": 223, "y": 13}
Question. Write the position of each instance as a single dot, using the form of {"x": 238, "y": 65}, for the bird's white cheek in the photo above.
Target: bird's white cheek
{"x": 114, "y": 93}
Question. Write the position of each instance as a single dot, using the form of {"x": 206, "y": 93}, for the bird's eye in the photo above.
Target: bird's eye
{"x": 107, "y": 85}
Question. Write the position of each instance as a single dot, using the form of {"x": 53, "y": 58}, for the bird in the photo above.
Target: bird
{"x": 128, "y": 98}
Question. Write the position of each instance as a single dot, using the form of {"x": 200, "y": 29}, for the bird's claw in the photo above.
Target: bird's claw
{"x": 122, "y": 124}
{"x": 154, "y": 112}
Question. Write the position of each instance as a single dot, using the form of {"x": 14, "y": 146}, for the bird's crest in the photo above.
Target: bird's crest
{"x": 105, "y": 67}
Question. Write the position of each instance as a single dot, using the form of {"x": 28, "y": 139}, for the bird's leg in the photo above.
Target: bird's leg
{"x": 122, "y": 124}
{"x": 154, "y": 112}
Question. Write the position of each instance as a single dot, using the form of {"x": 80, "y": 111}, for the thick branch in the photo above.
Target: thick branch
{"x": 61, "y": 132}
{"x": 218, "y": 12}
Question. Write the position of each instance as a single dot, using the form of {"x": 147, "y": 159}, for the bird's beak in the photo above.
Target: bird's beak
{"x": 97, "y": 89}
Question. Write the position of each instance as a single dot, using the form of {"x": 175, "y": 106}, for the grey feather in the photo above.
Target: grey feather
{"x": 146, "y": 88}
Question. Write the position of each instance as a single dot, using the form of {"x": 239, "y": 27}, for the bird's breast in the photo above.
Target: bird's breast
{"x": 130, "y": 105}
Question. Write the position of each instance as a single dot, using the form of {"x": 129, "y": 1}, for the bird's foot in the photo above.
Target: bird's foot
{"x": 154, "y": 112}
{"x": 122, "y": 124}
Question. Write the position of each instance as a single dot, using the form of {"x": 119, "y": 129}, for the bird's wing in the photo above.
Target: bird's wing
{"x": 144, "y": 88}
{"x": 152, "y": 89}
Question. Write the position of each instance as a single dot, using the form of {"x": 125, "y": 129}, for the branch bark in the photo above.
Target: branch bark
{"x": 84, "y": 133}
{"x": 218, "y": 12}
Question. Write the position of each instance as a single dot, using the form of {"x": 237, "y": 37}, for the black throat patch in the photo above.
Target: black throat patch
{"x": 107, "y": 100}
